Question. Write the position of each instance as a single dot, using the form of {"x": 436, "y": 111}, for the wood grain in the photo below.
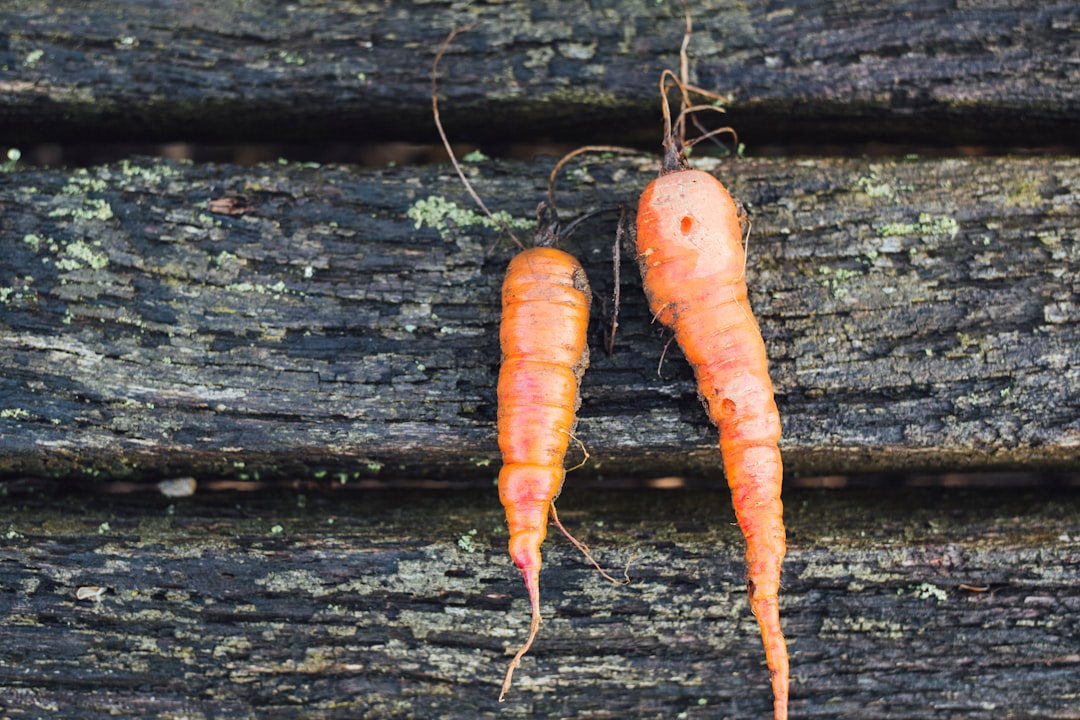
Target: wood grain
{"x": 919, "y": 315}
{"x": 914, "y": 604}
{"x": 821, "y": 73}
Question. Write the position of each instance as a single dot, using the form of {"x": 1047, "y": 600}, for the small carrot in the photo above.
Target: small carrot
{"x": 543, "y": 337}
{"x": 692, "y": 262}
{"x": 545, "y": 301}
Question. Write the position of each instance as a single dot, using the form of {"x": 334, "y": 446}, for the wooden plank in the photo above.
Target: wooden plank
{"x": 914, "y": 604}
{"x": 919, "y": 315}
{"x": 814, "y": 72}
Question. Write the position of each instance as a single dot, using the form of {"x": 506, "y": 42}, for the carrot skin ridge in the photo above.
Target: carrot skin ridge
{"x": 690, "y": 253}
{"x": 545, "y": 300}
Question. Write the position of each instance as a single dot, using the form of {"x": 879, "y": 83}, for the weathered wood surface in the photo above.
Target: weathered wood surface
{"x": 919, "y": 315}
{"x": 910, "y": 605}
{"x": 820, "y": 72}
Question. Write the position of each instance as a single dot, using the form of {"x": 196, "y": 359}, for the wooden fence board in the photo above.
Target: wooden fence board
{"x": 920, "y": 315}
{"x": 815, "y": 72}
{"x": 915, "y": 604}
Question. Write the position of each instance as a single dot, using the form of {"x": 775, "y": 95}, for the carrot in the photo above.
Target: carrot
{"x": 543, "y": 337}
{"x": 545, "y": 300}
{"x": 692, "y": 262}
{"x": 545, "y": 315}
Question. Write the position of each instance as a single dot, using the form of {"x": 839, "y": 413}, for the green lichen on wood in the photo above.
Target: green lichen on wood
{"x": 437, "y": 212}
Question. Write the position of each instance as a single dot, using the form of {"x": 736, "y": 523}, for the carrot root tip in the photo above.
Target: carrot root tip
{"x": 534, "y": 628}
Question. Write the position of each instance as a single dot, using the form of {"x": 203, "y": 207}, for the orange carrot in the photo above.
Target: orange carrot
{"x": 690, "y": 253}
{"x": 545, "y": 316}
{"x": 692, "y": 262}
{"x": 545, "y": 300}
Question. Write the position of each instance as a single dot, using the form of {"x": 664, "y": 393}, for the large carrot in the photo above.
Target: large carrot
{"x": 545, "y": 301}
{"x": 692, "y": 262}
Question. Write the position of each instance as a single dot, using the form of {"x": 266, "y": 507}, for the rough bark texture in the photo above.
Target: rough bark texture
{"x": 904, "y": 605}
{"x": 820, "y": 72}
{"x": 919, "y": 315}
